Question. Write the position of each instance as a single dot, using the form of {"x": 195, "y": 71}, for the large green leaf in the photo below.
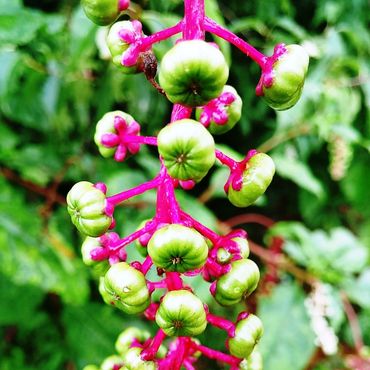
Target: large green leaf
{"x": 288, "y": 342}
{"x": 298, "y": 172}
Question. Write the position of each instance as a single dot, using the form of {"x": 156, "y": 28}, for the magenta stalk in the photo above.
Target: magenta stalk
{"x": 204, "y": 230}
{"x": 150, "y": 352}
{"x": 249, "y": 50}
{"x": 173, "y": 281}
{"x": 121, "y": 197}
{"x": 194, "y": 20}
{"x": 222, "y": 323}
{"x": 225, "y": 160}
{"x": 217, "y": 355}
{"x": 147, "y": 42}
{"x": 149, "y": 140}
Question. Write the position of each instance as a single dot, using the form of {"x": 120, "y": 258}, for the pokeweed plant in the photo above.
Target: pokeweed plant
{"x": 193, "y": 76}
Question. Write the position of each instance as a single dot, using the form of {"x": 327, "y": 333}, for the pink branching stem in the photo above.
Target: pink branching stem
{"x": 146, "y": 265}
{"x": 194, "y": 20}
{"x": 147, "y": 42}
{"x": 173, "y": 206}
{"x": 205, "y": 231}
{"x": 150, "y": 352}
{"x": 249, "y": 50}
{"x": 188, "y": 365}
{"x": 149, "y": 140}
{"x": 153, "y": 285}
{"x": 179, "y": 354}
{"x": 180, "y": 112}
{"x": 130, "y": 238}
{"x": 216, "y": 269}
{"x": 121, "y": 197}
{"x": 173, "y": 281}
{"x": 217, "y": 355}
{"x": 222, "y": 323}
{"x": 227, "y": 161}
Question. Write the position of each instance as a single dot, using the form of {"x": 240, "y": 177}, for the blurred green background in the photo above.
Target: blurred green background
{"x": 310, "y": 233}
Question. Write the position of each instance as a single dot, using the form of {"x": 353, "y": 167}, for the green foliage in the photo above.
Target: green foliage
{"x": 55, "y": 84}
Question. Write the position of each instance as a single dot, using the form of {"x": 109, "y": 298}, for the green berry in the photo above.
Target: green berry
{"x": 187, "y": 149}
{"x": 181, "y": 313}
{"x": 193, "y": 73}
{"x": 86, "y": 206}
{"x": 256, "y": 178}
{"x": 126, "y": 288}
{"x": 178, "y": 248}
{"x": 247, "y": 334}
{"x": 239, "y": 282}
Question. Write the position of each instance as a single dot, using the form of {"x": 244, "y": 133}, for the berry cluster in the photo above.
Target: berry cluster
{"x": 193, "y": 75}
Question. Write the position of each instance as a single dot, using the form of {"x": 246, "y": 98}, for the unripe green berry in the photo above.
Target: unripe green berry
{"x": 193, "y": 72}
{"x": 178, "y": 248}
{"x": 253, "y": 362}
{"x": 125, "y": 339}
{"x": 239, "y": 282}
{"x": 133, "y": 360}
{"x": 101, "y": 12}
{"x": 117, "y": 46}
{"x": 181, "y": 313}
{"x": 233, "y": 111}
{"x": 126, "y": 288}
{"x": 106, "y": 126}
{"x": 187, "y": 149}
{"x": 289, "y": 72}
{"x": 256, "y": 178}
{"x": 86, "y": 206}
{"x": 109, "y": 362}
{"x": 248, "y": 332}
{"x": 89, "y": 244}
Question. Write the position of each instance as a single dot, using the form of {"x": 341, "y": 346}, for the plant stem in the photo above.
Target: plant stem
{"x": 227, "y": 161}
{"x": 194, "y": 20}
{"x": 222, "y": 323}
{"x": 249, "y": 50}
{"x": 121, "y": 197}
{"x": 217, "y": 355}
{"x": 147, "y": 42}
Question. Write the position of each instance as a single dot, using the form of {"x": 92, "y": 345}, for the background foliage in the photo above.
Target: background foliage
{"x": 311, "y": 229}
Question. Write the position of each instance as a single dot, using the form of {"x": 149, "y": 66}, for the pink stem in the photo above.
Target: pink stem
{"x": 153, "y": 285}
{"x": 173, "y": 207}
{"x": 121, "y": 197}
{"x": 173, "y": 281}
{"x": 149, "y": 353}
{"x": 217, "y": 355}
{"x": 179, "y": 354}
{"x": 180, "y": 112}
{"x": 222, "y": 323}
{"x": 130, "y": 238}
{"x": 194, "y": 20}
{"x": 146, "y": 265}
{"x": 227, "y": 161}
{"x": 249, "y": 50}
{"x": 205, "y": 231}
{"x": 147, "y": 42}
{"x": 149, "y": 140}
{"x": 188, "y": 365}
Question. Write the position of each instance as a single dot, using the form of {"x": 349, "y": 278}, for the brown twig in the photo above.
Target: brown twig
{"x": 353, "y": 322}
{"x": 281, "y": 137}
{"x": 37, "y": 189}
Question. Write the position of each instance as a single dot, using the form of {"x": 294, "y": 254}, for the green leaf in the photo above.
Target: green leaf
{"x": 332, "y": 256}
{"x": 30, "y": 255}
{"x": 18, "y": 26}
{"x": 288, "y": 342}
{"x": 358, "y": 289}
{"x": 91, "y": 331}
{"x": 298, "y": 172}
